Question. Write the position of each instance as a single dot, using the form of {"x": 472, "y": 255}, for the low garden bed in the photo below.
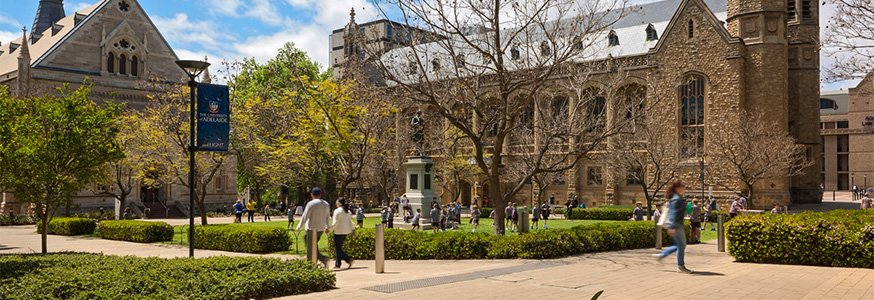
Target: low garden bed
{"x": 69, "y": 226}
{"x": 95, "y": 276}
{"x": 135, "y": 231}
{"x": 842, "y": 238}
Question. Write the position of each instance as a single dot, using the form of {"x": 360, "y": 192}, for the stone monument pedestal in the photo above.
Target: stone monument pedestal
{"x": 420, "y": 187}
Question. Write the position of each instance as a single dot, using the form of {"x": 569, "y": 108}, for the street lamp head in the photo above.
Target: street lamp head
{"x": 192, "y": 67}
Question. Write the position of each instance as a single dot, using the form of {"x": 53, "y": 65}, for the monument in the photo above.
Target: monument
{"x": 419, "y": 173}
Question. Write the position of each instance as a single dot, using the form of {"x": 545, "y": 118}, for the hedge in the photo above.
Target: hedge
{"x": 602, "y": 213}
{"x": 6, "y": 220}
{"x": 96, "y": 276}
{"x": 541, "y": 244}
{"x": 69, "y": 226}
{"x": 842, "y": 238}
{"x": 135, "y": 231}
{"x": 241, "y": 238}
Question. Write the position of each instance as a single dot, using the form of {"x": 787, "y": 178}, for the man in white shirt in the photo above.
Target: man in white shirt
{"x": 316, "y": 216}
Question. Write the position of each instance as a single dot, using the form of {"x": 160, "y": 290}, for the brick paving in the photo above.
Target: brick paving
{"x": 621, "y": 275}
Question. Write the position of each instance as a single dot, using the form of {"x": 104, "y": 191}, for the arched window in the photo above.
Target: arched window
{"x": 122, "y": 64}
{"x": 633, "y": 101}
{"x": 134, "y": 66}
{"x": 110, "y": 63}
{"x": 806, "y": 12}
{"x": 691, "y": 29}
{"x": 515, "y": 54}
{"x": 612, "y": 39}
{"x": 651, "y": 34}
{"x": 691, "y": 93}
{"x": 596, "y": 106}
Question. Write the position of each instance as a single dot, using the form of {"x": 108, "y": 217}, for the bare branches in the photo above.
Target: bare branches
{"x": 851, "y": 39}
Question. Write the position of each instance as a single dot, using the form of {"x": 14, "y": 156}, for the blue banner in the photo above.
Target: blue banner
{"x": 213, "y": 117}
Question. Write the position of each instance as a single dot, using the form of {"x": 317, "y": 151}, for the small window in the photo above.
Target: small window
{"x": 110, "y": 63}
{"x": 427, "y": 182}
{"x": 827, "y": 104}
{"x": 635, "y": 177}
{"x": 806, "y": 12}
{"x": 843, "y": 124}
{"x": 651, "y": 34}
{"x": 691, "y": 29}
{"x": 414, "y": 181}
{"x": 790, "y": 10}
{"x": 612, "y": 39}
{"x": 595, "y": 176}
{"x": 460, "y": 61}
{"x": 515, "y": 54}
{"x": 435, "y": 65}
{"x": 578, "y": 43}
{"x": 545, "y": 50}
{"x": 122, "y": 64}
{"x": 412, "y": 68}
{"x": 134, "y": 66}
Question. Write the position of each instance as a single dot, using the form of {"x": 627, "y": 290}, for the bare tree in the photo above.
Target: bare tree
{"x": 752, "y": 149}
{"x": 850, "y": 39}
{"x": 484, "y": 63}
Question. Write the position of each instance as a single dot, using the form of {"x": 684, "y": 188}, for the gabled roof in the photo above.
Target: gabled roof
{"x": 716, "y": 16}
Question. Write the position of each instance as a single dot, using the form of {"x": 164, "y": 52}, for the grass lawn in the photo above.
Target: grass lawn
{"x": 181, "y": 232}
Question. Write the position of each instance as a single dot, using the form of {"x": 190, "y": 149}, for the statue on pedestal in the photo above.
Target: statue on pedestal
{"x": 417, "y": 133}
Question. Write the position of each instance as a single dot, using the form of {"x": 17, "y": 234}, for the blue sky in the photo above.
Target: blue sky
{"x": 235, "y": 29}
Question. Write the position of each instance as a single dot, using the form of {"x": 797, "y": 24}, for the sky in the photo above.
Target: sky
{"x": 237, "y": 29}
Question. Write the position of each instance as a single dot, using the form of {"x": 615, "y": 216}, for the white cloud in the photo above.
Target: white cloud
{"x": 73, "y": 7}
{"x": 181, "y": 30}
{"x": 4, "y": 20}
{"x": 265, "y": 12}
{"x": 8, "y": 36}
{"x": 225, "y": 7}
{"x": 311, "y": 39}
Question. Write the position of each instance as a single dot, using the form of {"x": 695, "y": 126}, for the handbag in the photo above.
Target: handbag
{"x": 664, "y": 217}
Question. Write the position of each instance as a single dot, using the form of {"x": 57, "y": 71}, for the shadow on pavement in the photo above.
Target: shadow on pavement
{"x": 4, "y": 247}
{"x": 705, "y": 273}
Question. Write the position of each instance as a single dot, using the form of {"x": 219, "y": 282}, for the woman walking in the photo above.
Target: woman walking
{"x": 674, "y": 224}
{"x": 343, "y": 227}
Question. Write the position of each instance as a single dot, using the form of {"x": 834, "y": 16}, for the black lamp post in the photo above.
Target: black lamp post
{"x": 701, "y": 165}
{"x": 193, "y": 68}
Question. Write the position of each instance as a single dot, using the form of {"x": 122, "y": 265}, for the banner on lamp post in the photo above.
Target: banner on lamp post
{"x": 213, "y": 117}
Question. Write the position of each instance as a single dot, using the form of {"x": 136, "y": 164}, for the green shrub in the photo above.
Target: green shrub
{"x": 95, "y": 276}
{"x": 69, "y": 226}
{"x": 135, "y": 231}
{"x": 840, "y": 238}
{"x": 540, "y": 244}
{"x": 602, "y": 213}
{"x": 6, "y": 220}
{"x": 241, "y": 238}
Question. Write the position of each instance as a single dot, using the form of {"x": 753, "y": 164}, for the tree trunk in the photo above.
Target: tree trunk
{"x": 499, "y": 202}
{"x": 202, "y": 208}
{"x": 749, "y": 196}
{"x": 45, "y": 230}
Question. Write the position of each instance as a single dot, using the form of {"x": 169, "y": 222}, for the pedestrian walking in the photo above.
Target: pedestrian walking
{"x": 238, "y": 212}
{"x": 316, "y": 215}
{"x": 638, "y": 212}
{"x": 544, "y": 213}
{"x": 385, "y": 215}
{"x": 551, "y": 199}
{"x": 734, "y": 208}
{"x": 408, "y": 210}
{"x": 290, "y": 213}
{"x": 508, "y": 212}
{"x": 535, "y": 216}
{"x": 514, "y": 217}
{"x": 359, "y": 216}
{"x": 657, "y": 213}
{"x": 444, "y": 218}
{"x": 474, "y": 218}
{"x": 573, "y": 202}
{"x": 342, "y": 228}
{"x": 267, "y": 213}
{"x": 435, "y": 216}
{"x": 417, "y": 218}
{"x": 710, "y": 214}
{"x": 695, "y": 219}
{"x": 674, "y": 224}
{"x": 250, "y": 209}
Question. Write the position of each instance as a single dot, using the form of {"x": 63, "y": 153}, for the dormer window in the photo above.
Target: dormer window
{"x": 412, "y": 68}
{"x": 435, "y": 65}
{"x": 460, "y": 61}
{"x": 612, "y": 39}
{"x": 545, "y": 50}
{"x": 515, "y": 54}
{"x": 651, "y": 34}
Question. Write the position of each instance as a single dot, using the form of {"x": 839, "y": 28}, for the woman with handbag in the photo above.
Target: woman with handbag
{"x": 672, "y": 219}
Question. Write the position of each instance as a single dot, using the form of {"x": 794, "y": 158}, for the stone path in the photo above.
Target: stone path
{"x": 621, "y": 275}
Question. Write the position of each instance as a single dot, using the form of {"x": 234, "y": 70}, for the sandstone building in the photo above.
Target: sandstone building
{"x": 847, "y": 126}
{"x": 116, "y": 46}
{"x": 713, "y": 59}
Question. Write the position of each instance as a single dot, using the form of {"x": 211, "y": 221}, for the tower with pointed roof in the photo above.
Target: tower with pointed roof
{"x": 48, "y": 13}
{"x": 24, "y": 74}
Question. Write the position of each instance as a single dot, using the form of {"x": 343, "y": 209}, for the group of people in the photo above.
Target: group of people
{"x": 317, "y": 218}
{"x": 449, "y": 216}
{"x": 251, "y": 206}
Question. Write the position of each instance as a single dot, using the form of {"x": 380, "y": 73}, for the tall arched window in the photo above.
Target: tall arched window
{"x": 790, "y": 9}
{"x": 134, "y": 66}
{"x": 122, "y": 64}
{"x": 596, "y": 106}
{"x": 110, "y": 63}
{"x": 691, "y": 93}
{"x": 633, "y": 101}
{"x": 806, "y": 12}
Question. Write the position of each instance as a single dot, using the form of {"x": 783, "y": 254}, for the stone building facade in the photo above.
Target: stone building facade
{"x": 847, "y": 127}
{"x": 114, "y": 45}
{"x": 703, "y": 63}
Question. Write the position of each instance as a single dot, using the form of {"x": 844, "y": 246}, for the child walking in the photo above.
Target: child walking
{"x": 416, "y": 218}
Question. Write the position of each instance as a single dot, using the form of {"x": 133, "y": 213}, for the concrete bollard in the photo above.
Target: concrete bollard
{"x": 380, "y": 249}
{"x": 720, "y": 233}
{"x": 313, "y": 246}
{"x": 658, "y": 240}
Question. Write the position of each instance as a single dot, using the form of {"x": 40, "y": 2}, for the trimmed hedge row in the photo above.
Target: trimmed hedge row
{"x": 541, "y": 244}
{"x": 6, "y": 220}
{"x": 135, "y": 231}
{"x": 602, "y": 213}
{"x": 95, "y": 276}
{"x": 241, "y": 238}
{"x": 69, "y": 226}
{"x": 843, "y": 238}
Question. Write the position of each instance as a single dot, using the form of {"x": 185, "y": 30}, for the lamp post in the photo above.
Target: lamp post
{"x": 701, "y": 165}
{"x": 193, "y": 69}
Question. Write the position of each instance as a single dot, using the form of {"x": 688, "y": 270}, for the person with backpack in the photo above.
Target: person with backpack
{"x": 508, "y": 212}
{"x": 359, "y": 216}
{"x": 535, "y": 216}
{"x": 385, "y": 215}
{"x": 417, "y": 218}
{"x": 408, "y": 210}
{"x": 238, "y": 212}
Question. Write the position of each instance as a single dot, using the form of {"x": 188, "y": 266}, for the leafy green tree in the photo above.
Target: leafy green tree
{"x": 54, "y": 146}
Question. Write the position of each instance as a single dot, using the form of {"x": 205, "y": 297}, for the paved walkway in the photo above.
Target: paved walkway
{"x": 621, "y": 275}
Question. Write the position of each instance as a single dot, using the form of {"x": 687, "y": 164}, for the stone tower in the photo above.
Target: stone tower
{"x": 761, "y": 24}
{"x": 23, "y": 81}
{"x": 802, "y": 21}
{"x": 49, "y": 12}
